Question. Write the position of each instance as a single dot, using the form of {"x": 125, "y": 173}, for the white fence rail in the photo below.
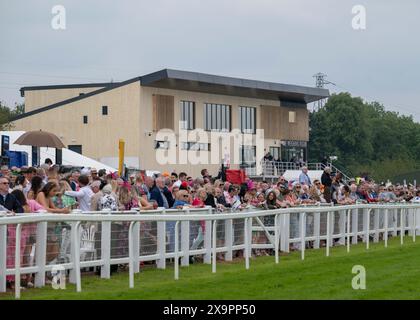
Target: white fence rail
{"x": 65, "y": 242}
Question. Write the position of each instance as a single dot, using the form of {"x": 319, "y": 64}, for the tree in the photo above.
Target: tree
{"x": 364, "y": 136}
{"x": 19, "y": 108}
{"x": 5, "y": 116}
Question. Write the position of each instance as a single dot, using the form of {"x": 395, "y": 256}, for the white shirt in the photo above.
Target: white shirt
{"x": 83, "y": 196}
{"x": 27, "y": 188}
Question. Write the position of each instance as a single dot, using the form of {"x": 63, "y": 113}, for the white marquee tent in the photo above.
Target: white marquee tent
{"x": 68, "y": 157}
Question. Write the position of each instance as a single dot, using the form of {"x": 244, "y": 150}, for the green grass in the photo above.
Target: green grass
{"x": 391, "y": 273}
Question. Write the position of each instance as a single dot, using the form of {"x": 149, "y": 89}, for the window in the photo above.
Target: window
{"x": 104, "y": 110}
{"x": 248, "y": 155}
{"x": 275, "y": 152}
{"x": 292, "y": 116}
{"x": 162, "y": 145}
{"x": 196, "y": 146}
{"x": 247, "y": 119}
{"x": 85, "y": 119}
{"x": 217, "y": 117}
{"x": 75, "y": 147}
{"x": 188, "y": 115}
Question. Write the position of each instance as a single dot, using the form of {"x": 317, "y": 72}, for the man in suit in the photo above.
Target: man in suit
{"x": 8, "y": 200}
{"x": 169, "y": 197}
{"x": 157, "y": 193}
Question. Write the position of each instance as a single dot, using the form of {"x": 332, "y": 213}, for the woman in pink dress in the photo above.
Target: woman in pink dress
{"x": 28, "y": 229}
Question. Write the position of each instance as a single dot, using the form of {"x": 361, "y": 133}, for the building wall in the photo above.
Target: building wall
{"x": 130, "y": 117}
{"x": 299, "y": 130}
{"x": 35, "y": 99}
{"x": 99, "y": 137}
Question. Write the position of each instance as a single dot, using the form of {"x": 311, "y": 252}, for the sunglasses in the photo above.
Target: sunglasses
{"x": 4, "y": 182}
{"x": 185, "y": 196}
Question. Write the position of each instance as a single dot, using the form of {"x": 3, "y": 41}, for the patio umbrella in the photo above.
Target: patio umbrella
{"x": 40, "y": 139}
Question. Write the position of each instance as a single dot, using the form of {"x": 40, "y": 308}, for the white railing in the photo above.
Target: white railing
{"x": 224, "y": 233}
{"x": 274, "y": 169}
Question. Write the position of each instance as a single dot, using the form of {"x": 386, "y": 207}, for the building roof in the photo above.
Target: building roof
{"x": 292, "y": 95}
{"x": 67, "y": 86}
{"x": 201, "y": 82}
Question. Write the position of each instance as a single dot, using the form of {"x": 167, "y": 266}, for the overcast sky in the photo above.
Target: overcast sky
{"x": 285, "y": 41}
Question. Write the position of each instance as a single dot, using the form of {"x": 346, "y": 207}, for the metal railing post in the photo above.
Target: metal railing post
{"x": 409, "y": 221}
{"x": 214, "y": 246}
{"x": 72, "y": 273}
{"x": 332, "y": 227}
{"x": 207, "y": 240}
{"x": 136, "y": 248}
{"x": 376, "y": 225}
{"x": 185, "y": 243}
{"x": 41, "y": 253}
{"x": 302, "y": 231}
{"x": 317, "y": 229}
{"x": 246, "y": 242}
{"x": 348, "y": 229}
{"x": 250, "y": 236}
{"x": 342, "y": 226}
{"x": 386, "y": 227}
{"x": 367, "y": 226}
{"x": 276, "y": 238}
{"x": 161, "y": 244}
{"x": 17, "y": 260}
{"x": 327, "y": 246}
{"x": 355, "y": 224}
{"x": 75, "y": 236}
{"x": 106, "y": 249}
{"x": 131, "y": 255}
{"x": 228, "y": 239}
{"x": 402, "y": 231}
{"x": 395, "y": 222}
{"x": 176, "y": 260}
{"x": 3, "y": 257}
{"x": 286, "y": 232}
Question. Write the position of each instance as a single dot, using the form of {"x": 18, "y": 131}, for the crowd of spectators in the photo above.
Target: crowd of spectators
{"x": 44, "y": 189}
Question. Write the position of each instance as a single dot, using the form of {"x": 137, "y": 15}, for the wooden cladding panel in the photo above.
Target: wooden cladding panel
{"x": 163, "y": 112}
{"x": 275, "y": 122}
{"x": 270, "y": 122}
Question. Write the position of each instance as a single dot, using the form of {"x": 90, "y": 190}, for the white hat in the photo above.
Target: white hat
{"x": 107, "y": 189}
{"x": 95, "y": 183}
{"x": 85, "y": 172}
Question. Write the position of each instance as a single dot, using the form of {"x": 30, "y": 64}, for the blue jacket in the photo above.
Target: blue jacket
{"x": 179, "y": 203}
{"x": 11, "y": 203}
{"x": 156, "y": 195}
